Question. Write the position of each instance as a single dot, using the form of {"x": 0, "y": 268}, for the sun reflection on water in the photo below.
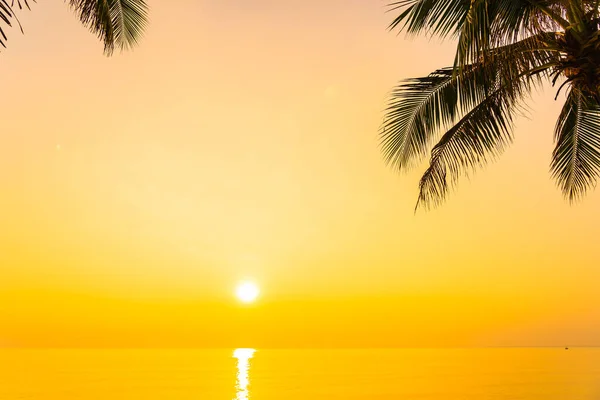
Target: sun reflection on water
{"x": 243, "y": 357}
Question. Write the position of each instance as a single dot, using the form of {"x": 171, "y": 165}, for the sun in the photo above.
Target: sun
{"x": 247, "y": 292}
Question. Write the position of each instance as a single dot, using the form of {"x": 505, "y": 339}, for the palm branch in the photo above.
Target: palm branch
{"x": 117, "y": 23}
{"x": 576, "y": 158}
{"x": 8, "y": 16}
{"x": 504, "y": 49}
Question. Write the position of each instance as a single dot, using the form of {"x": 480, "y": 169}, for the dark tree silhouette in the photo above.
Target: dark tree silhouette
{"x": 463, "y": 115}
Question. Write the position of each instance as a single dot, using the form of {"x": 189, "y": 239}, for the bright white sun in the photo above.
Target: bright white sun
{"x": 247, "y": 292}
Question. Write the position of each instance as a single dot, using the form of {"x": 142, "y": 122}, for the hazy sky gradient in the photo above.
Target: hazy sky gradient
{"x": 240, "y": 140}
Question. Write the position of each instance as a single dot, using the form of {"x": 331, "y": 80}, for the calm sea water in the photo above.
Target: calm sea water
{"x": 465, "y": 374}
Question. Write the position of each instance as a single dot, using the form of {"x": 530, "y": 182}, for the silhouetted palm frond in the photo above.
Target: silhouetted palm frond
{"x": 483, "y": 132}
{"x": 504, "y": 49}
{"x": 117, "y": 23}
{"x": 420, "y": 107}
{"x": 576, "y": 158}
{"x": 8, "y": 16}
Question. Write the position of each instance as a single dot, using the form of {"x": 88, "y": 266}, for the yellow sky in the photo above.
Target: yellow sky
{"x": 241, "y": 141}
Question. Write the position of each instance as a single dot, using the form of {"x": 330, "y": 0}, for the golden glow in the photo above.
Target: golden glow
{"x": 247, "y": 292}
{"x": 243, "y": 357}
{"x": 241, "y": 141}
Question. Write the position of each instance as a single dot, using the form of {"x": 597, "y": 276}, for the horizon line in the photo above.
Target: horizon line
{"x": 302, "y": 348}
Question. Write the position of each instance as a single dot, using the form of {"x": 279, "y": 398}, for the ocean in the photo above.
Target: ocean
{"x": 243, "y": 374}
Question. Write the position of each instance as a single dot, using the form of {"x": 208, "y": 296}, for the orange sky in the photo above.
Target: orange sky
{"x": 241, "y": 141}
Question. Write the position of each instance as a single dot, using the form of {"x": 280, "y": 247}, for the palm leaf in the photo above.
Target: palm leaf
{"x": 416, "y": 109}
{"x": 480, "y": 25}
{"x": 437, "y": 17}
{"x": 485, "y": 131}
{"x": 7, "y": 15}
{"x": 129, "y": 19}
{"x": 493, "y": 24}
{"x": 419, "y": 108}
{"x": 475, "y": 33}
{"x": 117, "y": 23}
{"x": 505, "y": 48}
{"x": 513, "y": 20}
{"x": 576, "y": 157}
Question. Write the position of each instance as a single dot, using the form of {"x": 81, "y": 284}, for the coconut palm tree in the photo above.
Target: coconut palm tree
{"x": 505, "y": 49}
{"x": 117, "y": 23}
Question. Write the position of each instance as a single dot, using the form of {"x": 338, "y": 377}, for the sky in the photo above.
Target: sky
{"x": 239, "y": 141}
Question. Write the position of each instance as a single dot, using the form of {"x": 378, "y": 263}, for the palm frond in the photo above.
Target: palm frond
{"x": 117, "y": 23}
{"x": 8, "y": 14}
{"x": 482, "y": 133}
{"x": 436, "y": 17}
{"x": 493, "y": 24}
{"x": 576, "y": 157}
{"x": 475, "y": 33}
{"x": 130, "y": 18}
{"x": 416, "y": 109}
{"x": 480, "y": 25}
{"x": 505, "y": 48}
{"x": 513, "y": 20}
{"x": 419, "y": 108}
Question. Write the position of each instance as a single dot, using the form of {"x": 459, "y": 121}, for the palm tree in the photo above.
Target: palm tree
{"x": 117, "y": 23}
{"x": 506, "y": 48}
